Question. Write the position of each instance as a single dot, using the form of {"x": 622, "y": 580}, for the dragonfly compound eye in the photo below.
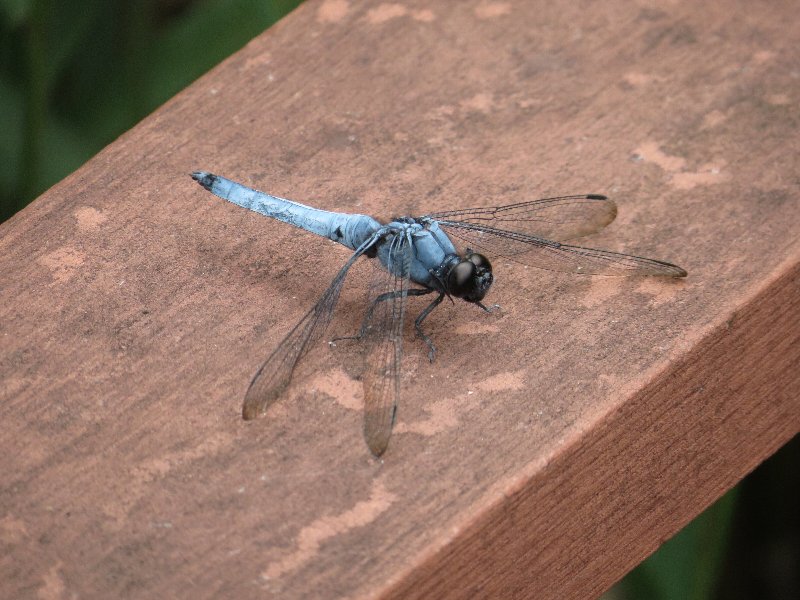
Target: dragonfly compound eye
{"x": 479, "y": 260}
{"x": 470, "y": 279}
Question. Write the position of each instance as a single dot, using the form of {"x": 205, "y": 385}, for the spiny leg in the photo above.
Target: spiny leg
{"x": 489, "y": 309}
{"x": 382, "y": 298}
{"x": 418, "y": 325}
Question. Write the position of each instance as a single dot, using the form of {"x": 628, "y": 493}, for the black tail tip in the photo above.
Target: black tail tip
{"x": 204, "y": 178}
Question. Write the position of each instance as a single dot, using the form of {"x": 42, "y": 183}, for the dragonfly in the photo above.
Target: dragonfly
{"x": 417, "y": 257}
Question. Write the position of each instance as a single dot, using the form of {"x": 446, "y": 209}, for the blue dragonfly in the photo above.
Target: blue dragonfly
{"x": 419, "y": 250}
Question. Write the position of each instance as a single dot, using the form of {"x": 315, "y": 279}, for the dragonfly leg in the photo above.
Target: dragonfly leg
{"x": 418, "y": 325}
{"x": 488, "y": 309}
{"x": 382, "y": 298}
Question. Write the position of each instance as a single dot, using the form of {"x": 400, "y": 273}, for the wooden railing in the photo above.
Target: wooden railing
{"x": 552, "y": 445}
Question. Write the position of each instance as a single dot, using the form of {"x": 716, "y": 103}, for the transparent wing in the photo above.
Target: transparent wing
{"x": 274, "y": 375}
{"x": 554, "y": 256}
{"x": 383, "y": 339}
{"x": 563, "y": 218}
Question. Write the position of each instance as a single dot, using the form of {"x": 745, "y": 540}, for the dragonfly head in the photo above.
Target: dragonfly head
{"x": 470, "y": 278}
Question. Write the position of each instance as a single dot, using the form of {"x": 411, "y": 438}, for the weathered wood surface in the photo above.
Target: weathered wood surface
{"x": 551, "y": 446}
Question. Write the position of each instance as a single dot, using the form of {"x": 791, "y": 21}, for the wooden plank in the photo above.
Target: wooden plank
{"x": 551, "y": 446}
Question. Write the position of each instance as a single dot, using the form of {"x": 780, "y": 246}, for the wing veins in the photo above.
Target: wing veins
{"x": 275, "y": 374}
{"x": 545, "y": 254}
{"x": 383, "y": 347}
{"x": 559, "y": 218}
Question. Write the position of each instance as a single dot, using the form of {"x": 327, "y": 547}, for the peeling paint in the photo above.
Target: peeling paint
{"x": 63, "y": 263}
{"x": 491, "y": 10}
{"x": 89, "y": 219}
{"x": 332, "y": 11}
{"x": 312, "y": 536}
{"x": 385, "y": 12}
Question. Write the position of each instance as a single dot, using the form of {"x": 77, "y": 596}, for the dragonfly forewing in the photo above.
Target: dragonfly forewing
{"x": 562, "y": 218}
{"x": 554, "y": 256}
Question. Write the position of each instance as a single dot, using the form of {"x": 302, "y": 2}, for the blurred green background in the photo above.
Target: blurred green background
{"x": 74, "y": 75}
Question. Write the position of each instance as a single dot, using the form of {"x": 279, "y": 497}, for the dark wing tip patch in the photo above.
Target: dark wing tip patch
{"x": 249, "y": 412}
{"x": 377, "y": 442}
{"x": 679, "y": 272}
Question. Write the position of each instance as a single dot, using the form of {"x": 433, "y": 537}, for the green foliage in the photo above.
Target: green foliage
{"x": 15, "y": 11}
{"x": 689, "y": 565}
{"x": 73, "y": 76}
{"x": 744, "y": 546}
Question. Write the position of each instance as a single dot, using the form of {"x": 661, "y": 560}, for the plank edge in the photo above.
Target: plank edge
{"x": 452, "y": 569}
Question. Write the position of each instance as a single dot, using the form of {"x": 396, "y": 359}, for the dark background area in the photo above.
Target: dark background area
{"x": 73, "y": 76}
{"x": 746, "y": 546}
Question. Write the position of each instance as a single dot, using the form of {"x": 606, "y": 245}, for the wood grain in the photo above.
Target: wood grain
{"x": 550, "y": 447}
